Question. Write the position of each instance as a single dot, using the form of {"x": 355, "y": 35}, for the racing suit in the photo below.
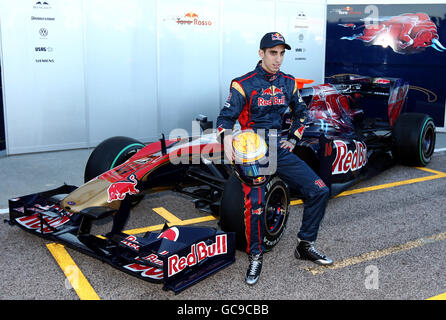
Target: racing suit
{"x": 258, "y": 100}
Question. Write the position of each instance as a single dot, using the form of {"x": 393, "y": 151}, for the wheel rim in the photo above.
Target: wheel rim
{"x": 126, "y": 154}
{"x": 276, "y": 210}
{"x": 427, "y": 142}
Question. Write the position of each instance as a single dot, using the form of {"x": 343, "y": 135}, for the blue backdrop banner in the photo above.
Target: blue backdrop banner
{"x": 400, "y": 41}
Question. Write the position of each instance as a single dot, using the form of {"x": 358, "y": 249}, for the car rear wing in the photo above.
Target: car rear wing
{"x": 381, "y": 97}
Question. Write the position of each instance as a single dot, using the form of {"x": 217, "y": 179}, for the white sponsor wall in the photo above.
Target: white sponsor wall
{"x": 78, "y": 71}
{"x": 43, "y": 82}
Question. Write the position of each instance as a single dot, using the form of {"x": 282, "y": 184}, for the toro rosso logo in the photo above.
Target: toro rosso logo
{"x": 348, "y": 160}
{"x": 406, "y": 34}
{"x": 118, "y": 190}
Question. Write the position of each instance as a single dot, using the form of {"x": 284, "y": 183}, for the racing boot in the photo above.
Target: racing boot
{"x": 305, "y": 250}
{"x": 254, "y": 269}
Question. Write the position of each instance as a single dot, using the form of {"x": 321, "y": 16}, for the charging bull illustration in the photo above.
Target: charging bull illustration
{"x": 118, "y": 190}
{"x": 406, "y": 34}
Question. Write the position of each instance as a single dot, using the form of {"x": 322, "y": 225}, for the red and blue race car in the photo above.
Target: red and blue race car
{"x": 356, "y": 129}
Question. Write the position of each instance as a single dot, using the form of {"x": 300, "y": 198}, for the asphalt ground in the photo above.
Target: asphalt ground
{"x": 387, "y": 236}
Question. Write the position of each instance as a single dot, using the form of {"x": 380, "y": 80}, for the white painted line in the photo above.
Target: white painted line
{"x": 4, "y": 211}
{"x": 440, "y": 149}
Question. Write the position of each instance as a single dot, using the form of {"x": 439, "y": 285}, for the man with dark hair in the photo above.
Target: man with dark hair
{"x": 258, "y": 100}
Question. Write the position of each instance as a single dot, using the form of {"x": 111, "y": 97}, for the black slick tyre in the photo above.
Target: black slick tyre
{"x": 232, "y": 219}
{"x": 413, "y": 138}
{"x": 110, "y": 153}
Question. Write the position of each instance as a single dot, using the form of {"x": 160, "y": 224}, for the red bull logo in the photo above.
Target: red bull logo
{"x": 269, "y": 102}
{"x": 272, "y": 91}
{"x": 277, "y": 91}
{"x": 348, "y": 160}
{"x": 118, "y": 190}
{"x": 267, "y": 91}
{"x": 277, "y": 37}
{"x": 145, "y": 271}
{"x": 406, "y": 34}
{"x": 191, "y": 15}
{"x": 274, "y": 100}
{"x": 198, "y": 252}
{"x": 258, "y": 211}
{"x": 131, "y": 242}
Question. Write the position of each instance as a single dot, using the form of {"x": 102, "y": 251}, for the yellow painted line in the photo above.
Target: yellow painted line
{"x": 437, "y": 175}
{"x": 74, "y": 275}
{"x": 86, "y": 292}
{"x": 439, "y": 297}
{"x": 432, "y": 171}
{"x": 170, "y": 217}
{"x": 160, "y": 226}
{"x": 376, "y": 254}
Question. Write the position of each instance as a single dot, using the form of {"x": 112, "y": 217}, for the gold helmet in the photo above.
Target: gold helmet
{"x": 249, "y": 148}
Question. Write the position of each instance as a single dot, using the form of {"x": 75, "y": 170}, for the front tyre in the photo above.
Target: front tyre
{"x": 414, "y": 139}
{"x": 277, "y": 201}
{"x": 110, "y": 153}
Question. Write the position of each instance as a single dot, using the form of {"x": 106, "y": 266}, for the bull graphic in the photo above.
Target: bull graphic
{"x": 406, "y": 34}
{"x": 118, "y": 190}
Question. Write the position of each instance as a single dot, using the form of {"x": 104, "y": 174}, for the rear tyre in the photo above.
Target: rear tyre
{"x": 232, "y": 219}
{"x": 414, "y": 139}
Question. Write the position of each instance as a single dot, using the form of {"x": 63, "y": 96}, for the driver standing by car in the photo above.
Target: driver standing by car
{"x": 258, "y": 100}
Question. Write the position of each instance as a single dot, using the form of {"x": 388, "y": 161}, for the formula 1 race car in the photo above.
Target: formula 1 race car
{"x": 356, "y": 129}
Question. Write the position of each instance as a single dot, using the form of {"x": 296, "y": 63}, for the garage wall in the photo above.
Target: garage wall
{"x": 120, "y": 56}
{"x": 76, "y": 72}
{"x": 43, "y": 81}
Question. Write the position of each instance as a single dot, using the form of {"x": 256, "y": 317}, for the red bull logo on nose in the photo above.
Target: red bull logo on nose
{"x": 118, "y": 190}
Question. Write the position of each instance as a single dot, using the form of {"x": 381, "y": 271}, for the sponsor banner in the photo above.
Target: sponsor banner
{"x": 405, "y": 41}
{"x": 303, "y": 26}
{"x": 43, "y": 75}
